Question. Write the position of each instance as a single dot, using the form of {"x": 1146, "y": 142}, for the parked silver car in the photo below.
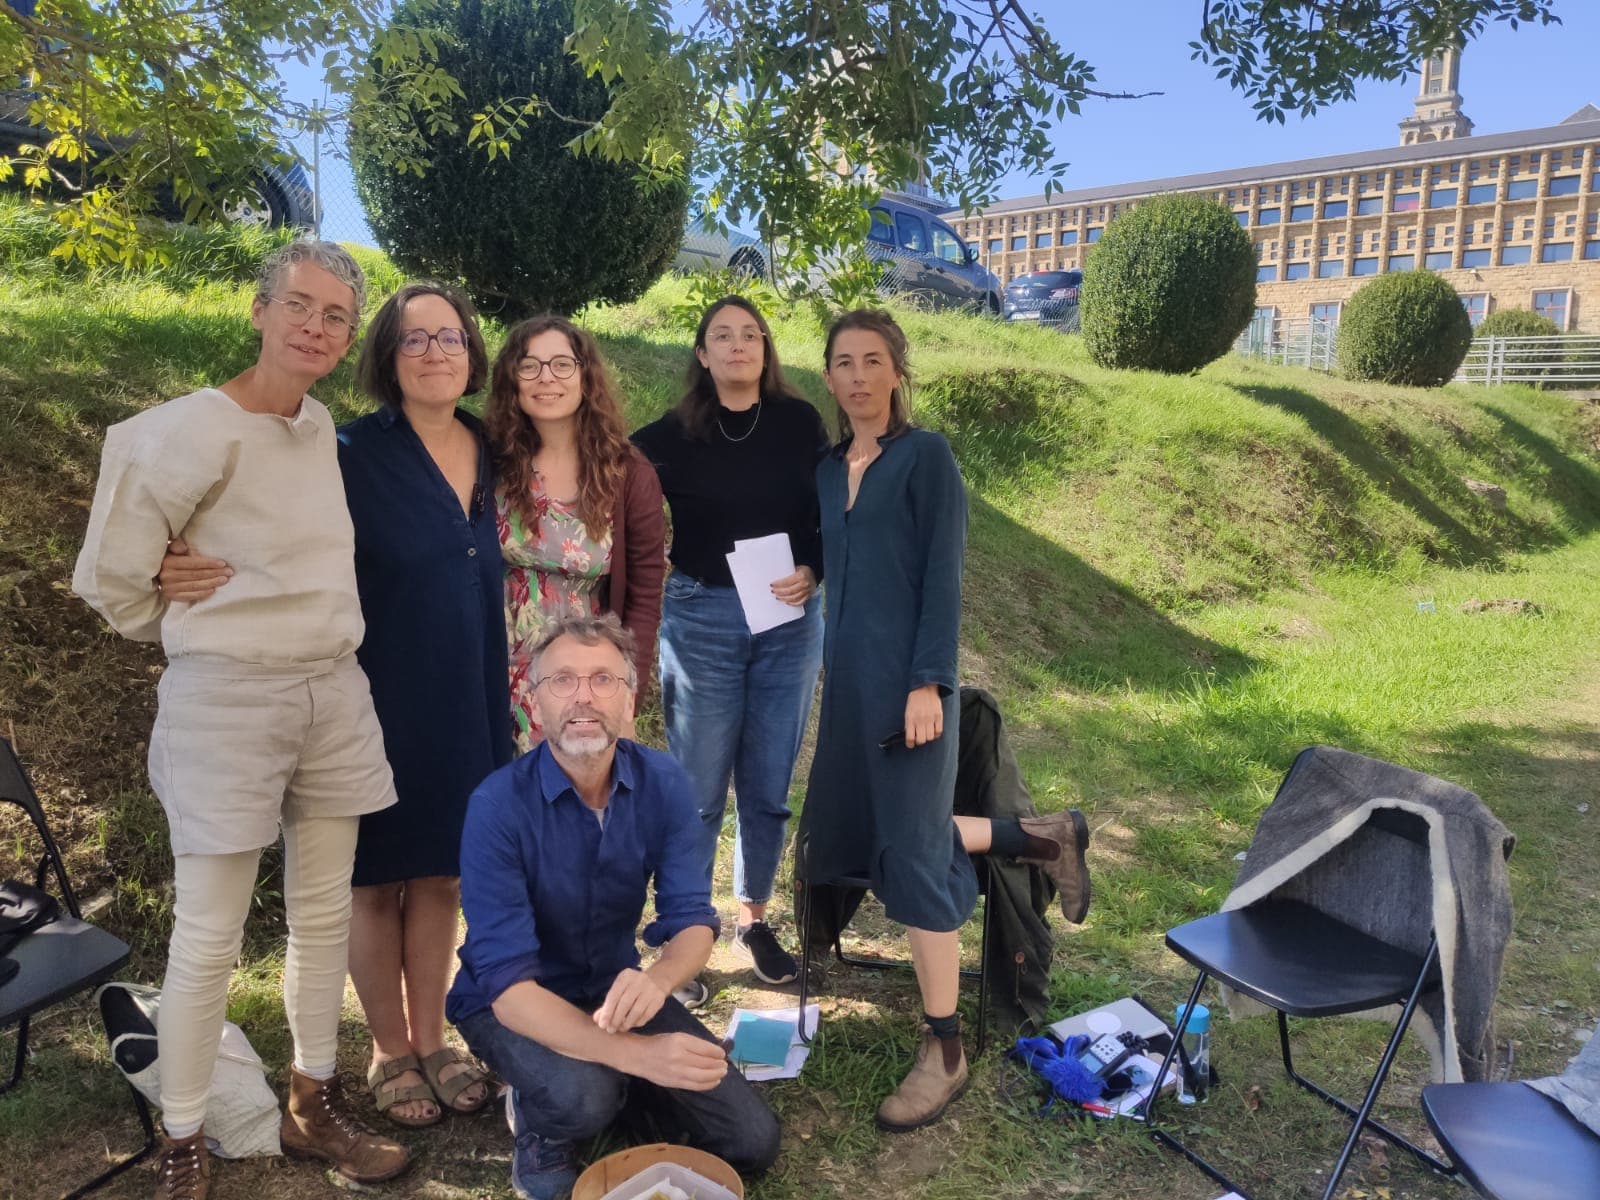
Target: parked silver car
{"x": 707, "y": 249}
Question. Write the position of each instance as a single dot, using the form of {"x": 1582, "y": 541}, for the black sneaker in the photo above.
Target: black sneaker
{"x": 693, "y": 994}
{"x": 771, "y": 962}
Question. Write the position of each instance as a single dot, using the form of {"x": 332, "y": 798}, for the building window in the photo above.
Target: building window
{"x": 1326, "y": 314}
{"x": 1069, "y": 237}
{"x": 1480, "y": 193}
{"x": 996, "y": 245}
{"x": 1474, "y": 258}
{"x": 1297, "y": 270}
{"x": 1402, "y": 262}
{"x": 1555, "y": 252}
{"x": 1564, "y": 185}
{"x": 1443, "y": 197}
{"x": 1269, "y": 216}
{"x": 1330, "y": 268}
{"x": 1522, "y": 189}
{"x": 1552, "y": 305}
{"x": 1439, "y": 260}
{"x": 1019, "y": 243}
{"x": 1369, "y": 205}
{"x": 1335, "y": 208}
{"x": 1266, "y": 274}
{"x": 1477, "y": 306}
{"x": 1591, "y": 250}
{"x": 1243, "y": 218}
{"x": 1094, "y": 234}
{"x": 1041, "y": 241}
{"x": 1364, "y": 266}
{"x": 1302, "y": 212}
{"x": 1406, "y": 202}
{"x": 1515, "y": 256}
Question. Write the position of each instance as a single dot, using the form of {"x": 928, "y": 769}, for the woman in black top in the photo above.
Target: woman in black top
{"x": 737, "y": 460}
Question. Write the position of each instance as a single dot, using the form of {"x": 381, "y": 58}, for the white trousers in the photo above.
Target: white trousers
{"x": 213, "y": 898}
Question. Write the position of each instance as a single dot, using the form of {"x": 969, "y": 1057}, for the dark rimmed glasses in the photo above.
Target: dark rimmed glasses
{"x": 414, "y": 342}
{"x": 562, "y": 366}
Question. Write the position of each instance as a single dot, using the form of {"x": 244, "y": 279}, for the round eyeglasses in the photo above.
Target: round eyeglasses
{"x": 562, "y": 366}
{"x": 414, "y": 342}
{"x": 728, "y": 337}
{"x": 564, "y": 684}
{"x": 335, "y": 323}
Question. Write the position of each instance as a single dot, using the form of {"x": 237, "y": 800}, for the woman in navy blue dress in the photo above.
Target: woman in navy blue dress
{"x": 419, "y": 481}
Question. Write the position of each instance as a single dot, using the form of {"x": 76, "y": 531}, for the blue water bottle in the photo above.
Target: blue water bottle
{"x": 1196, "y": 1078}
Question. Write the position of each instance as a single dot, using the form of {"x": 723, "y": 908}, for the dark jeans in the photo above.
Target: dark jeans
{"x": 565, "y": 1099}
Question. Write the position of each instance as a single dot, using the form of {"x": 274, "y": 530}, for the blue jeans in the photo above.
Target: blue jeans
{"x": 566, "y": 1099}
{"x": 736, "y": 707}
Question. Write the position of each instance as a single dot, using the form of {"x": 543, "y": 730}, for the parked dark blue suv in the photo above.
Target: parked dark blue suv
{"x": 1049, "y": 297}
{"x": 929, "y": 265}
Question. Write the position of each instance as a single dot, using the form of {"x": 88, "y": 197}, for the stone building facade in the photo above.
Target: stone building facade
{"x": 1511, "y": 220}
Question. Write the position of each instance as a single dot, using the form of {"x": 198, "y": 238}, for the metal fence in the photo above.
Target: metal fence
{"x": 1291, "y": 341}
{"x": 1568, "y": 360}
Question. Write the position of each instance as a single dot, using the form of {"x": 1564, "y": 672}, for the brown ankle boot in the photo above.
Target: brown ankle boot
{"x": 927, "y": 1091}
{"x": 1067, "y": 870}
{"x": 319, "y": 1125}
{"x": 183, "y": 1168}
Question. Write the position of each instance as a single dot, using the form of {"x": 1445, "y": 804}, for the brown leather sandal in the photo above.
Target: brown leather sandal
{"x": 386, "y": 1093}
{"x": 448, "y": 1091}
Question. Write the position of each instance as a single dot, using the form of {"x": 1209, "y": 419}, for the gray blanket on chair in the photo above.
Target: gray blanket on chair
{"x": 1578, "y": 1087}
{"x": 1313, "y": 844}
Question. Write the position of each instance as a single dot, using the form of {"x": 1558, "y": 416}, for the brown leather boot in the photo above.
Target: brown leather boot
{"x": 1068, "y": 870}
{"x": 927, "y": 1091}
{"x": 183, "y": 1168}
{"x": 319, "y": 1124}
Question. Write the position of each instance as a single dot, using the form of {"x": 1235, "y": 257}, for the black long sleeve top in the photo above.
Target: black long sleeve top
{"x": 754, "y": 474}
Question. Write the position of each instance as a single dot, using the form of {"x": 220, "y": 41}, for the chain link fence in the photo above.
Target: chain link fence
{"x": 327, "y": 166}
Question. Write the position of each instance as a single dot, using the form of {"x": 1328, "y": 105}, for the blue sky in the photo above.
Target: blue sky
{"x": 1521, "y": 79}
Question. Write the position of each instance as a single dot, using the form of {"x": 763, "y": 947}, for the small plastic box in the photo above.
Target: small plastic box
{"x": 652, "y": 1179}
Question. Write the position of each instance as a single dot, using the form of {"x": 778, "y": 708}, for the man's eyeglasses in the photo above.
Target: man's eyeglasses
{"x": 334, "y": 322}
{"x": 414, "y": 342}
{"x": 562, "y": 366}
{"x": 728, "y": 337}
{"x": 564, "y": 684}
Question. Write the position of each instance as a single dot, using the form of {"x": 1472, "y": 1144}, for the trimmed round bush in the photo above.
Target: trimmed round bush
{"x": 1407, "y": 328}
{"x": 1169, "y": 287}
{"x": 1516, "y": 322}
{"x": 536, "y": 228}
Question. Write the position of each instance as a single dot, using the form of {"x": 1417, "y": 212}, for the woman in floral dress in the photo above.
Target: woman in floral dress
{"x": 579, "y": 509}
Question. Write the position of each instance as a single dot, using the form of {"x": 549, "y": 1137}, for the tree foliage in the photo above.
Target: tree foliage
{"x": 530, "y": 228}
{"x": 1409, "y": 327}
{"x": 1169, "y": 287}
{"x": 1516, "y": 322}
{"x": 794, "y": 111}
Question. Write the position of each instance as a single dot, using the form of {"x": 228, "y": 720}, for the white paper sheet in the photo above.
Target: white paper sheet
{"x": 798, "y": 1050}
{"x": 755, "y": 563}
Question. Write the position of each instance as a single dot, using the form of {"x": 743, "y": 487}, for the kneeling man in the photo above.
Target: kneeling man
{"x": 558, "y": 851}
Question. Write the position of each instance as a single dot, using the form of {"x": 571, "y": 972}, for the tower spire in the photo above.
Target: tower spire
{"x": 1437, "y": 115}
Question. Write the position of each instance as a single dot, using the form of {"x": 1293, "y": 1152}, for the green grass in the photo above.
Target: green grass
{"x": 1173, "y": 585}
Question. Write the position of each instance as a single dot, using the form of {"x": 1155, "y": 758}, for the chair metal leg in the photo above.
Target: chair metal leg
{"x": 21, "y": 1059}
{"x": 1362, "y": 1117}
{"x": 133, "y": 1159}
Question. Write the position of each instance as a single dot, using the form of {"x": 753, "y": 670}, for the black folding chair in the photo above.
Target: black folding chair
{"x": 1303, "y": 963}
{"x": 807, "y": 894}
{"x": 1512, "y": 1143}
{"x": 59, "y": 960}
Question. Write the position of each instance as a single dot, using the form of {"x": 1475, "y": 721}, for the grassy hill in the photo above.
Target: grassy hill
{"x": 1173, "y": 585}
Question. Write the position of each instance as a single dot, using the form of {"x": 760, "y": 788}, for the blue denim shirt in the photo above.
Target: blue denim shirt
{"x": 553, "y": 895}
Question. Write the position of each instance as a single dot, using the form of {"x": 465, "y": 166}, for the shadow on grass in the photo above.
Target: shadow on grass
{"x": 1571, "y": 482}
{"x": 1357, "y": 445}
{"x": 1042, "y": 619}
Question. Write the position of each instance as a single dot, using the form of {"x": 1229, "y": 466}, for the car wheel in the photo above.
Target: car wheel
{"x": 747, "y": 263}
{"x": 258, "y": 204}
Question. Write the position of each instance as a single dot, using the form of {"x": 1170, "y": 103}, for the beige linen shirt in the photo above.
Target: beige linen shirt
{"x": 262, "y": 492}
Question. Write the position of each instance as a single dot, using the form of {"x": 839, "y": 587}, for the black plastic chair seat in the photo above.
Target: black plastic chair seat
{"x": 56, "y": 961}
{"x": 1513, "y": 1143}
{"x": 1288, "y": 955}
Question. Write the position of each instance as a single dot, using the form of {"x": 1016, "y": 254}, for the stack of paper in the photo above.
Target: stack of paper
{"x": 756, "y": 564}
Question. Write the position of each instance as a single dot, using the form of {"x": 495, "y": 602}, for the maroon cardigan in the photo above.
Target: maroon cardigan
{"x": 639, "y": 564}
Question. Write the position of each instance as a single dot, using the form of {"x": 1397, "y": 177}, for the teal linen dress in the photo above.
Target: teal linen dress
{"x": 893, "y": 620}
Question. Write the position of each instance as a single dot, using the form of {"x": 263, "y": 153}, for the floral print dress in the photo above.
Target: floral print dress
{"x": 553, "y": 569}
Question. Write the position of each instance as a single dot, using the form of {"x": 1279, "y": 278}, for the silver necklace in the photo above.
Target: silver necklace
{"x": 747, "y": 432}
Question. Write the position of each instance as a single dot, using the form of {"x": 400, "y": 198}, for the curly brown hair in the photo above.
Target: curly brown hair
{"x": 603, "y": 446}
